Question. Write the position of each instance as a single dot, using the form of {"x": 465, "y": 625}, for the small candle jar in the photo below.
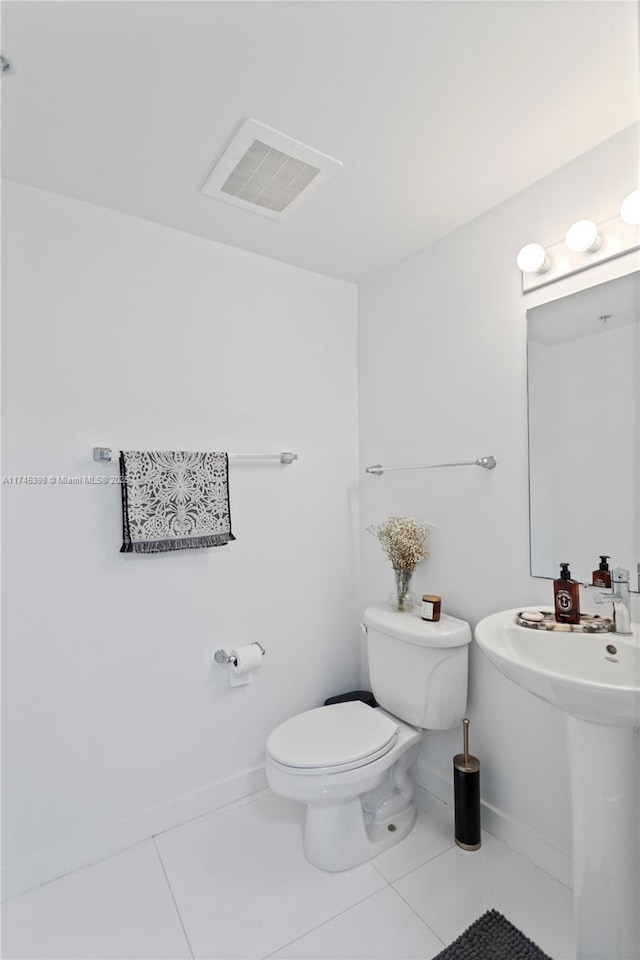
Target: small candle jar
{"x": 430, "y": 607}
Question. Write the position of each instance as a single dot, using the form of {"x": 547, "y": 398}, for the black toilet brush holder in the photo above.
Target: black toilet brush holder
{"x": 466, "y": 794}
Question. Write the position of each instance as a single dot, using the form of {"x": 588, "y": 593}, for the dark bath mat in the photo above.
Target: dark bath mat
{"x": 492, "y": 937}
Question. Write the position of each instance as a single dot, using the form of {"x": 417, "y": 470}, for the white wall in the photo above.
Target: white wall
{"x": 121, "y": 333}
{"x": 442, "y": 371}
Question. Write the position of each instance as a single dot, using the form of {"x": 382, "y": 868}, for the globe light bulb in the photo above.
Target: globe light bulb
{"x": 532, "y": 258}
{"x": 630, "y": 209}
{"x": 582, "y": 237}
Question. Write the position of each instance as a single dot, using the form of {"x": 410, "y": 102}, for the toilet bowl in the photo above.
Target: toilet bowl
{"x": 350, "y": 763}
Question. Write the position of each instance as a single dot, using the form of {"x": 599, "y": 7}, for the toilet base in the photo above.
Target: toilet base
{"x": 354, "y": 814}
{"x": 337, "y": 836}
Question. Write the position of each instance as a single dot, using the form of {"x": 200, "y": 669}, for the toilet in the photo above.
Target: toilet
{"x": 352, "y": 764}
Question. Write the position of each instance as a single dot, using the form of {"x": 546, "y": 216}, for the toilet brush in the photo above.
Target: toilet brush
{"x": 466, "y": 793}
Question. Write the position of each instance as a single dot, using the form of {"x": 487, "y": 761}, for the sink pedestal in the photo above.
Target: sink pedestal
{"x": 600, "y": 695}
{"x": 605, "y": 797}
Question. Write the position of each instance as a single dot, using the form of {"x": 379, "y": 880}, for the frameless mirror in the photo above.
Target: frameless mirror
{"x": 583, "y": 363}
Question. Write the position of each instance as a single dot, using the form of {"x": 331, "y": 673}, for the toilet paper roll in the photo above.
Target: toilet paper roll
{"x": 248, "y": 658}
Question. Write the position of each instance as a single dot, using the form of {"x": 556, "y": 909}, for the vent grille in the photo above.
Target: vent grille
{"x": 268, "y": 177}
{"x": 266, "y": 172}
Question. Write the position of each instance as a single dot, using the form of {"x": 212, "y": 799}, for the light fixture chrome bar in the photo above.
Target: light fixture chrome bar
{"x": 105, "y": 455}
{"x": 487, "y": 462}
{"x": 617, "y": 239}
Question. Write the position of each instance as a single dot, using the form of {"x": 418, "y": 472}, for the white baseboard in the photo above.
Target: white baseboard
{"x": 514, "y": 833}
{"x": 23, "y": 875}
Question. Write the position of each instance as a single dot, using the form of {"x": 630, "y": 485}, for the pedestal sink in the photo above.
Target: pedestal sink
{"x": 595, "y": 679}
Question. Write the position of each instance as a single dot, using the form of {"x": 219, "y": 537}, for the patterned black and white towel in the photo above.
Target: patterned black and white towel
{"x": 173, "y": 500}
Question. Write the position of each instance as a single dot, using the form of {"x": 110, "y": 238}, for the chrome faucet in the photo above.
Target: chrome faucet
{"x": 621, "y": 600}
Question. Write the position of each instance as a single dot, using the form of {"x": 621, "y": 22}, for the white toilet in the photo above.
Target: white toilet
{"x": 351, "y": 763}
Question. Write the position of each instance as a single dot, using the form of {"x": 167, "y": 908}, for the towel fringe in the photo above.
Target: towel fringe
{"x": 186, "y": 543}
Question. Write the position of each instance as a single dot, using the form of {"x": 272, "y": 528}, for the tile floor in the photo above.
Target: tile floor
{"x": 236, "y": 884}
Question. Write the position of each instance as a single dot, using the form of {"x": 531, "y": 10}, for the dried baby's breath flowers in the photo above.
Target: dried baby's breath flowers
{"x": 403, "y": 539}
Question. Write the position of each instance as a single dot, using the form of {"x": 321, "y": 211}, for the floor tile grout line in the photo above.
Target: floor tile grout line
{"x": 519, "y": 856}
{"x": 210, "y": 814}
{"x": 239, "y": 802}
{"x": 432, "y": 860}
{"x": 379, "y": 872}
{"x": 175, "y": 903}
{"x": 346, "y": 910}
{"x": 70, "y": 873}
{"x": 506, "y": 843}
{"x": 527, "y": 859}
{"x": 416, "y": 867}
{"x": 546, "y": 872}
{"x": 413, "y": 910}
{"x": 328, "y": 920}
{"x": 389, "y": 883}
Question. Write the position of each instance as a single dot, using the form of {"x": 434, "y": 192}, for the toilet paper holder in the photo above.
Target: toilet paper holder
{"x": 221, "y": 656}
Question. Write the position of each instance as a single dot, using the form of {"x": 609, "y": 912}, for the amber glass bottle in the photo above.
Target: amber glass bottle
{"x": 566, "y": 593}
{"x": 602, "y": 576}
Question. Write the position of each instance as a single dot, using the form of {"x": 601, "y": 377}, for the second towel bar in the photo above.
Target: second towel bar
{"x": 487, "y": 462}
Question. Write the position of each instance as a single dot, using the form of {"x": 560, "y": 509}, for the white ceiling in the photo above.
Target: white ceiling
{"x": 438, "y": 110}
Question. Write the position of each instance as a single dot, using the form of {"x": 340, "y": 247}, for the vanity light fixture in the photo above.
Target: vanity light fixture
{"x": 532, "y": 258}
{"x": 583, "y": 237}
{"x": 630, "y": 209}
{"x": 586, "y": 245}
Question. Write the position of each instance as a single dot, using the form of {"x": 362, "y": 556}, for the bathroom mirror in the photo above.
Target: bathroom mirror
{"x": 583, "y": 364}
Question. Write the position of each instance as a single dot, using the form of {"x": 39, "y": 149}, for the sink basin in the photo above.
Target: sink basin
{"x": 574, "y": 671}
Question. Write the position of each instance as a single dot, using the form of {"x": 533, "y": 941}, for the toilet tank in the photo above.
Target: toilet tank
{"x": 418, "y": 669}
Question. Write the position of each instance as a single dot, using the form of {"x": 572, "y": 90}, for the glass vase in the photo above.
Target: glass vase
{"x": 402, "y": 599}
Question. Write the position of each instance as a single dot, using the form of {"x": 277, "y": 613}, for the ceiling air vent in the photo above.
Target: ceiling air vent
{"x": 267, "y": 172}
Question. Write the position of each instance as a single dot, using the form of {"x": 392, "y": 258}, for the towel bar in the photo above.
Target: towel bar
{"x": 105, "y": 455}
{"x": 487, "y": 462}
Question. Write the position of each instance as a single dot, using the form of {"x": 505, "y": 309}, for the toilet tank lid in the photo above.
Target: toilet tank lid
{"x": 410, "y": 627}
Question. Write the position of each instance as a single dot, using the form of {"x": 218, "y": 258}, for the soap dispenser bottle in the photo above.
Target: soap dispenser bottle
{"x": 566, "y": 594}
{"x": 602, "y": 576}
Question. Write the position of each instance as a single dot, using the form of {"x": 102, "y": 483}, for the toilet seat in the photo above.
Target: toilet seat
{"x": 342, "y": 736}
